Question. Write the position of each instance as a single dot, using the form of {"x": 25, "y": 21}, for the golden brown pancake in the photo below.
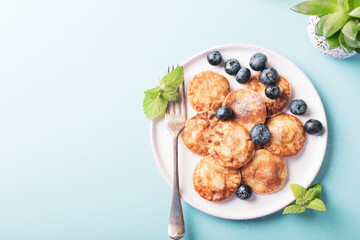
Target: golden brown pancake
{"x": 287, "y": 135}
{"x": 207, "y": 91}
{"x": 213, "y": 182}
{"x": 273, "y": 106}
{"x": 247, "y": 106}
{"x": 230, "y": 144}
{"x": 265, "y": 173}
{"x": 197, "y": 130}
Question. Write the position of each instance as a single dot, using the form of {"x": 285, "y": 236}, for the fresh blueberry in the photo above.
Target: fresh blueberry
{"x": 243, "y": 75}
{"x": 214, "y": 58}
{"x": 272, "y": 91}
{"x": 258, "y": 61}
{"x": 260, "y": 133}
{"x": 232, "y": 66}
{"x": 223, "y": 113}
{"x": 269, "y": 76}
{"x": 244, "y": 192}
{"x": 298, "y": 107}
{"x": 313, "y": 126}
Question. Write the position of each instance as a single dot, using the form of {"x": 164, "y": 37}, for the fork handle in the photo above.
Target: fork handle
{"x": 176, "y": 228}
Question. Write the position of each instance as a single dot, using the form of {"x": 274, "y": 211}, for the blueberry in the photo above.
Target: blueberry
{"x": 272, "y": 91}
{"x": 244, "y": 192}
{"x": 243, "y": 75}
{"x": 223, "y": 113}
{"x": 214, "y": 58}
{"x": 269, "y": 76}
{"x": 298, "y": 107}
{"x": 232, "y": 66}
{"x": 313, "y": 126}
{"x": 260, "y": 133}
{"x": 258, "y": 61}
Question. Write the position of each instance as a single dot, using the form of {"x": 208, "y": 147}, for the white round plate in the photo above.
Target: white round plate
{"x": 302, "y": 168}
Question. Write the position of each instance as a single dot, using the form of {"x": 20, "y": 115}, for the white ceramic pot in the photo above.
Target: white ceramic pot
{"x": 320, "y": 43}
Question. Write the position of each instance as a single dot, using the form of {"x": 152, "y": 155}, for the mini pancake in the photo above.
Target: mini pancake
{"x": 207, "y": 91}
{"x": 265, "y": 173}
{"x": 287, "y": 135}
{"x": 197, "y": 130}
{"x": 273, "y": 106}
{"x": 230, "y": 144}
{"x": 247, "y": 106}
{"x": 213, "y": 182}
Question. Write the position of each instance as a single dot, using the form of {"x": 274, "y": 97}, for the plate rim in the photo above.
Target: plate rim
{"x": 325, "y": 133}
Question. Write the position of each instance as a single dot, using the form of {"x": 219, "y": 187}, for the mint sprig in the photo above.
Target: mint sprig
{"x": 156, "y": 99}
{"x": 305, "y": 198}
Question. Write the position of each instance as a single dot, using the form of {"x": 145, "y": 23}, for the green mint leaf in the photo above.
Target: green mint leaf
{"x": 311, "y": 194}
{"x": 343, "y": 44}
{"x": 174, "y": 78}
{"x": 320, "y": 25}
{"x": 170, "y": 94}
{"x": 317, "y": 204}
{"x": 153, "y": 93}
{"x": 343, "y": 5}
{"x": 301, "y": 201}
{"x": 294, "y": 208}
{"x": 355, "y": 12}
{"x": 298, "y": 190}
{"x": 334, "y": 23}
{"x": 350, "y": 29}
{"x": 154, "y": 105}
{"x": 315, "y": 7}
{"x": 333, "y": 41}
{"x": 317, "y": 187}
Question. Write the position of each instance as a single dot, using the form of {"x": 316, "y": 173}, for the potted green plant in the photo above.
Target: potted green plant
{"x": 334, "y": 26}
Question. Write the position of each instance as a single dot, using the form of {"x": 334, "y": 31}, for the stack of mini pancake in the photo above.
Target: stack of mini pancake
{"x": 230, "y": 156}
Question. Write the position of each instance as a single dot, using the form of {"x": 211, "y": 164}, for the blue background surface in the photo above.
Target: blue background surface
{"x": 75, "y": 155}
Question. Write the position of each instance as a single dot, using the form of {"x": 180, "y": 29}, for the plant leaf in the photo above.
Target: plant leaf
{"x": 317, "y": 187}
{"x": 174, "y": 78}
{"x": 334, "y": 23}
{"x": 317, "y": 204}
{"x": 170, "y": 93}
{"x": 355, "y": 12}
{"x": 333, "y": 41}
{"x": 343, "y": 44}
{"x": 350, "y": 29}
{"x": 343, "y": 5}
{"x": 315, "y": 7}
{"x": 357, "y": 50}
{"x": 294, "y": 208}
{"x": 300, "y": 201}
{"x": 320, "y": 25}
{"x": 154, "y": 106}
{"x": 311, "y": 194}
{"x": 298, "y": 190}
{"x": 153, "y": 92}
{"x": 351, "y": 43}
{"x": 358, "y": 27}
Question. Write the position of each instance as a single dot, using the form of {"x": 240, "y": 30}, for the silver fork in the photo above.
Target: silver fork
{"x": 175, "y": 121}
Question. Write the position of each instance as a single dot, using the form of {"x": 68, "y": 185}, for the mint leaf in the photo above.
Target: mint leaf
{"x": 311, "y": 194}
{"x": 317, "y": 204}
{"x": 294, "y": 208}
{"x": 174, "y": 78}
{"x": 170, "y": 93}
{"x": 355, "y": 12}
{"x": 154, "y": 105}
{"x": 298, "y": 190}
{"x": 153, "y": 93}
{"x": 315, "y": 7}
{"x": 317, "y": 187}
{"x": 301, "y": 201}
